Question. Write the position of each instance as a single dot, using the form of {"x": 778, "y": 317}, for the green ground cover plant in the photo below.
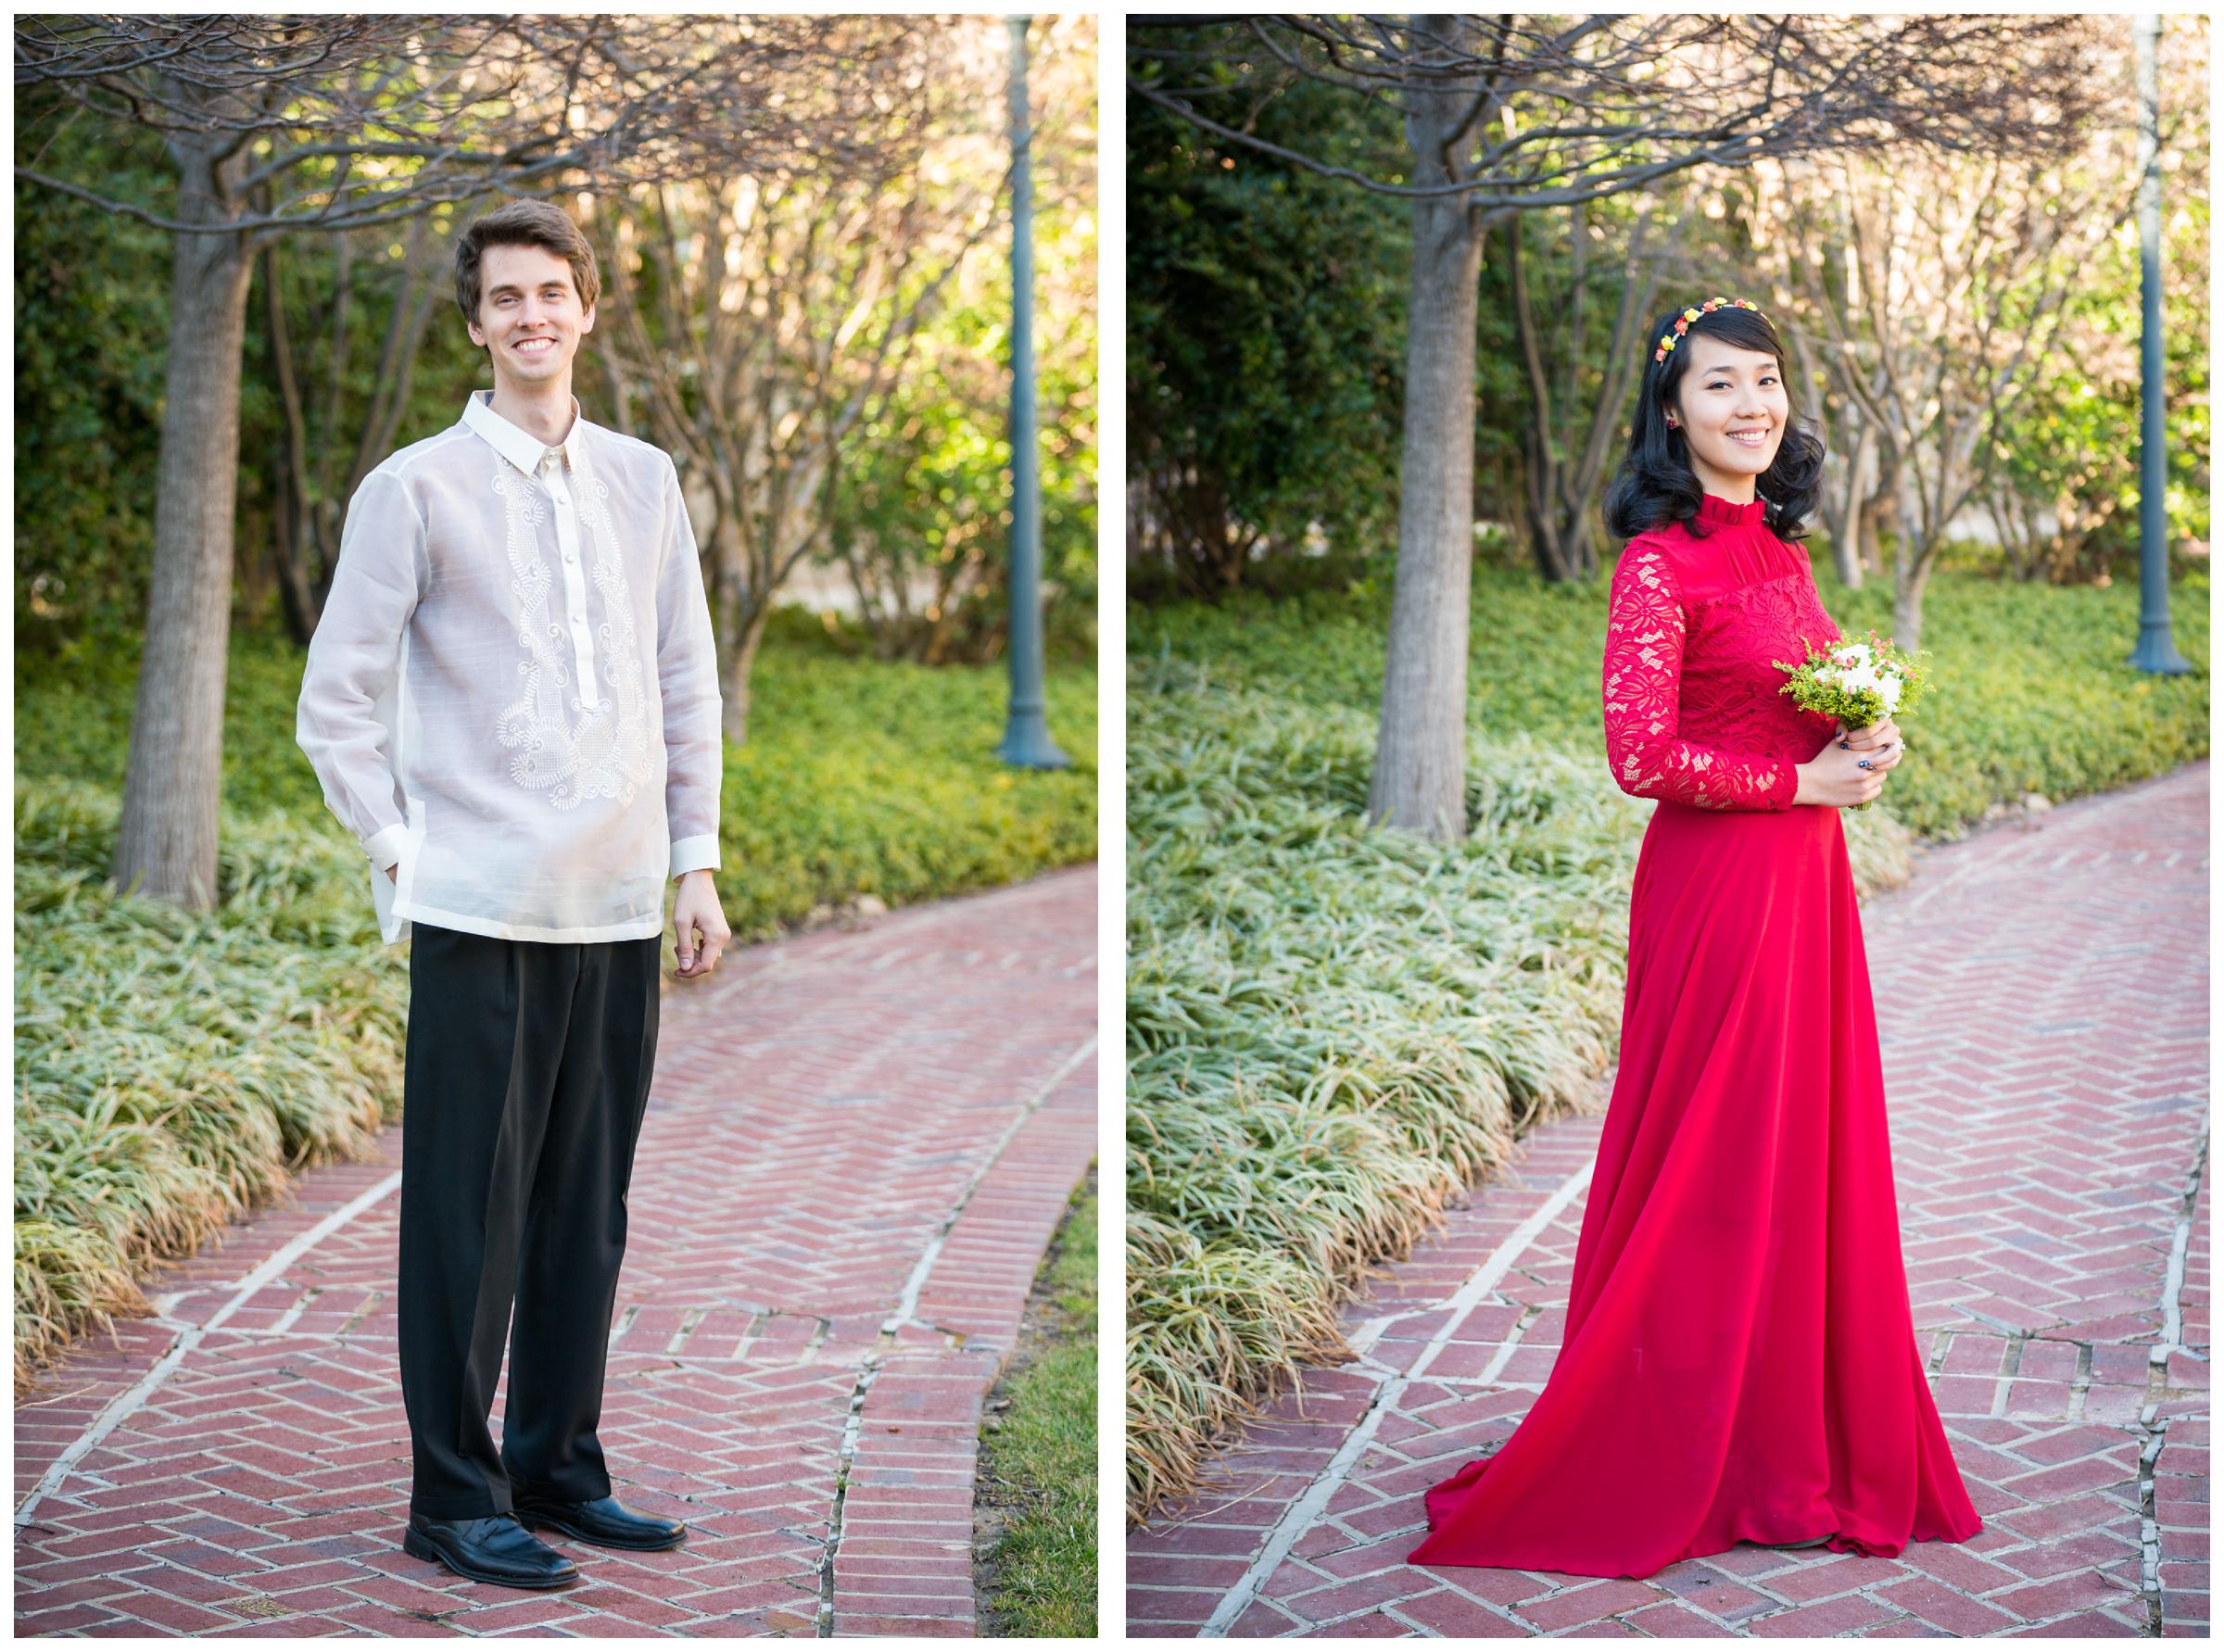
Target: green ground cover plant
{"x": 173, "y": 1069}
{"x": 1331, "y": 1030}
{"x": 1040, "y": 1456}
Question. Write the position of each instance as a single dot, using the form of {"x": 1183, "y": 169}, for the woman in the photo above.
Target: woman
{"x": 1739, "y": 1362}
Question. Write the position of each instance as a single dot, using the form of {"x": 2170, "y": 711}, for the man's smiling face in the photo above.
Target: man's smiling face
{"x": 530, "y": 318}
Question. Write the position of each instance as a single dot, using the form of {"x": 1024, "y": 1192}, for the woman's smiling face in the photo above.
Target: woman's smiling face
{"x": 1731, "y": 409}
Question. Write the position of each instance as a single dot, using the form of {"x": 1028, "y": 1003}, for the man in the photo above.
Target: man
{"x": 512, "y": 700}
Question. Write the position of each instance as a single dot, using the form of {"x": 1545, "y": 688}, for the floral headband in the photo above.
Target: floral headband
{"x": 1682, "y": 323}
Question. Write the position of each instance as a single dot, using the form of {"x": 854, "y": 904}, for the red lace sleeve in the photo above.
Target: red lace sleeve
{"x": 1639, "y": 684}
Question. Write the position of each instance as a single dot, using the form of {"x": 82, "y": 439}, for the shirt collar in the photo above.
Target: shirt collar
{"x": 521, "y": 448}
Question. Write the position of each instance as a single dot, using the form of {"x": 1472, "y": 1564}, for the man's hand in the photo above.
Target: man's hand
{"x": 390, "y": 873}
{"x": 699, "y": 928}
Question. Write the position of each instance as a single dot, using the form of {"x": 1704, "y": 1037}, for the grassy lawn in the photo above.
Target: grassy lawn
{"x": 1039, "y": 1464}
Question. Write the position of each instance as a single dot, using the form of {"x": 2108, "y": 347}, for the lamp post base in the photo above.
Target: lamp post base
{"x": 2156, "y": 653}
{"x": 1027, "y": 743}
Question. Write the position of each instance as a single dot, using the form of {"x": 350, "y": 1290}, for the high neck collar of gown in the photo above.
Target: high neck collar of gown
{"x": 1721, "y": 512}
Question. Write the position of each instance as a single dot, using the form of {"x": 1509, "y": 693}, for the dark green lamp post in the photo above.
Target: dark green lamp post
{"x": 1026, "y": 740}
{"x": 2155, "y": 651}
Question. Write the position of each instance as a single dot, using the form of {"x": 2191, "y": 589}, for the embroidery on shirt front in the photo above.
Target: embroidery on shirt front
{"x": 604, "y": 752}
{"x": 621, "y": 717}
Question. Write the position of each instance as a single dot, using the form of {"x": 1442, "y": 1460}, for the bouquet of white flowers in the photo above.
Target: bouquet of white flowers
{"x": 1858, "y": 682}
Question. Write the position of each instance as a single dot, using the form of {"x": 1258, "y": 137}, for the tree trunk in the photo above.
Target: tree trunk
{"x": 1911, "y": 562}
{"x": 738, "y": 612}
{"x": 301, "y": 605}
{"x": 1582, "y": 546}
{"x": 166, "y": 843}
{"x": 1868, "y": 534}
{"x": 1542, "y": 482}
{"x": 1911, "y": 576}
{"x": 293, "y": 528}
{"x": 1884, "y": 513}
{"x": 1845, "y": 532}
{"x": 1419, "y": 768}
{"x": 735, "y": 662}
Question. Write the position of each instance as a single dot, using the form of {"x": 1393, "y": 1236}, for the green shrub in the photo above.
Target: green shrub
{"x": 172, "y": 1070}
{"x": 881, "y": 779}
{"x": 2030, "y": 691}
{"x": 858, "y": 778}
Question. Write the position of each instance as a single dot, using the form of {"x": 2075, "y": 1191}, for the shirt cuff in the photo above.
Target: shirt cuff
{"x": 695, "y": 854}
{"x": 385, "y": 847}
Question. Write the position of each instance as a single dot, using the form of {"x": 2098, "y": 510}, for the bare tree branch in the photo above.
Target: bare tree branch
{"x": 1673, "y": 90}
{"x": 374, "y": 119}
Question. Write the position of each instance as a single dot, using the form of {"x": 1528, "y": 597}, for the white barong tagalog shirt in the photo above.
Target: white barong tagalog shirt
{"x": 512, "y": 692}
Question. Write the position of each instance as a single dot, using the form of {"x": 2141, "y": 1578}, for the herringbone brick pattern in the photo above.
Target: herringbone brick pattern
{"x": 2042, "y": 997}
{"x": 858, "y": 1143}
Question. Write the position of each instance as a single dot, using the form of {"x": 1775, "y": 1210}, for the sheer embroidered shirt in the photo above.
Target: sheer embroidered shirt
{"x": 512, "y": 697}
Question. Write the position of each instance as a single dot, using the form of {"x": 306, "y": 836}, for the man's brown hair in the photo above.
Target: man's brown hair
{"x": 524, "y": 223}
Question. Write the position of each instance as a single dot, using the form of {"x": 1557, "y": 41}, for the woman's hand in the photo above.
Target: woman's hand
{"x": 1837, "y": 779}
{"x": 1880, "y": 742}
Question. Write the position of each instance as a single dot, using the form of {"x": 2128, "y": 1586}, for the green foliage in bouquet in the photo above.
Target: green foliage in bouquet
{"x": 1859, "y": 682}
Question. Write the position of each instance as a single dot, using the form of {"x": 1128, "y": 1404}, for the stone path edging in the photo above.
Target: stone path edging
{"x": 1301, "y": 1514}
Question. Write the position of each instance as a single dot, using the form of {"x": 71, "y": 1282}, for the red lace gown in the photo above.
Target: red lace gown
{"x": 1740, "y": 1360}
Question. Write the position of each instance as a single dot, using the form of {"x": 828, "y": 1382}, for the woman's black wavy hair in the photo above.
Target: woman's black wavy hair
{"x": 1655, "y": 484}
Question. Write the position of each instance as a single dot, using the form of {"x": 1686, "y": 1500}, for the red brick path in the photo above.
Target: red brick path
{"x": 857, "y": 1145}
{"x": 2043, "y": 1000}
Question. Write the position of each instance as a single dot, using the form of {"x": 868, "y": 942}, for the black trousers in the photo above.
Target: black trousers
{"x": 524, "y": 1081}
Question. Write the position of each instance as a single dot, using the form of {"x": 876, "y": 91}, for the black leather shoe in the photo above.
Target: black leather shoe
{"x": 604, "y": 1520}
{"x": 493, "y": 1549}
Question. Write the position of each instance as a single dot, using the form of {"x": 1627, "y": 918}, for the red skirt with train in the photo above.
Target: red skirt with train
{"x": 1739, "y": 1361}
